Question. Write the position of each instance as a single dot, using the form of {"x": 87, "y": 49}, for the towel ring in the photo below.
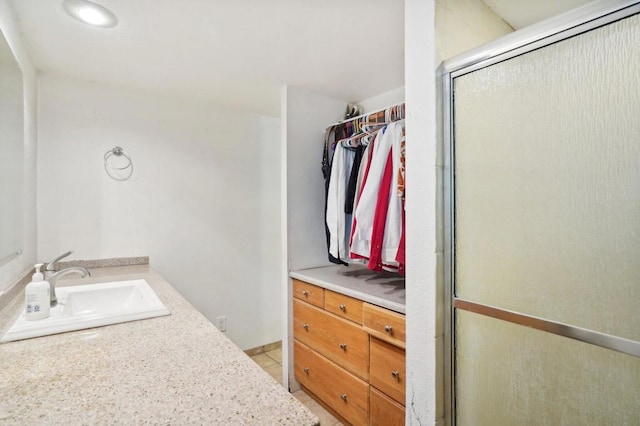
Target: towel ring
{"x": 110, "y": 168}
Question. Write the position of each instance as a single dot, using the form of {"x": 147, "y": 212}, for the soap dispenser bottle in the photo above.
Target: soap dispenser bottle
{"x": 37, "y": 297}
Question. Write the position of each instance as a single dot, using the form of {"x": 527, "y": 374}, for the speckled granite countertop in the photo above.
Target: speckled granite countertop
{"x": 383, "y": 289}
{"x": 178, "y": 369}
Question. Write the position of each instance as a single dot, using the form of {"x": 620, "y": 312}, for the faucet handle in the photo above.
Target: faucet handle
{"x": 51, "y": 265}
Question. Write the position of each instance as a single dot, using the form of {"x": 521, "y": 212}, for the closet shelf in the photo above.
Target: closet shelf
{"x": 385, "y": 289}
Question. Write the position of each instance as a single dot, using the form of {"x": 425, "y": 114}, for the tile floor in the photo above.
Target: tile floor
{"x": 271, "y": 362}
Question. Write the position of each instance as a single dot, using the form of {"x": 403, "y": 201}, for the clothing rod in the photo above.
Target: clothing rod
{"x": 364, "y": 115}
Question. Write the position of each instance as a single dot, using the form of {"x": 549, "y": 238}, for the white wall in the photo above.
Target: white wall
{"x": 305, "y": 115}
{"x": 18, "y": 267}
{"x": 383, "y": 100}
{"x": 463, "y": 25}
{"x": 425, "y": 390}
{"x": 205, "y": 178}
{"x": 11, "y": 153}
{"x": 269, "y": 262}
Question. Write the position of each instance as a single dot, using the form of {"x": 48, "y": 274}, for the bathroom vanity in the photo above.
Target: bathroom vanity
{"x": 175, "y": 369}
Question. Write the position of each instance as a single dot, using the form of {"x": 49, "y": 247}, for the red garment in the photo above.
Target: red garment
{"x": 380, "y": 218}
{"x": 386, "y": 190}
{"x": 400, "y": 256}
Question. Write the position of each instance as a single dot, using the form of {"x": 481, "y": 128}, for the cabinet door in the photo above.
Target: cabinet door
{"x": 385, "y": 324}
{"x": 384, "y": 410}
{"x": 340, "y": 390}
{"x": 388, "y": 369}
{"x": 342, "y": 341}
{"x": 344, "y": 306}
{"x": 309, "y": 293}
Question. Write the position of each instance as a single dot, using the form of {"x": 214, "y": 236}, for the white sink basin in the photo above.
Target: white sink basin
{"x": 92, "y": 305}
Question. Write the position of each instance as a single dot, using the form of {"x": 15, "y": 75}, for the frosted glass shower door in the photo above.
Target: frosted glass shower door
{"x": 546, "y": 234}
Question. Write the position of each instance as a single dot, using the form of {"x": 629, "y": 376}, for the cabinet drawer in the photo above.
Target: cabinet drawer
{"x": 342, "y": 341}
{"x": 340, "y": 390}
{"x": 384, "y": 410}
{"x": 385, "y": 324}
{"x": 388, "y": 369}
{"x": 309, "y": 293}
{"x": 343, "y": 306}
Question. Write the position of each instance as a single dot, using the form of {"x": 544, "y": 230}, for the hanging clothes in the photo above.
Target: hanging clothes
{"x": 364, "y": 191}
{"x": 366, "y": 208}
{"x": 399, "y": 171}
{"x": 399, "y": 165}
{"x": 353, "y": 180}
{"x": 336, "y": 197}
{"x": 377, "y": 226}
{"x": 329, "y": 139}
{"x": 394, "y": 219}
{"x": 363, "y": 173}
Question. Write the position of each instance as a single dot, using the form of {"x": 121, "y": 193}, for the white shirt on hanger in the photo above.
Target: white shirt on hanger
{"x": 336, "y": 196}
{"x": 365, "y": 210}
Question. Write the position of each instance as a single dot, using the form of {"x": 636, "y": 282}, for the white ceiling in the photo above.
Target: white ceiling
{"x": 232, "y": 52}
{"x": 522, "y": 13}
{"x": 239, "y": 52}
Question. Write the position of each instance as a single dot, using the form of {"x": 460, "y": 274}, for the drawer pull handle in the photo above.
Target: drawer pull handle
{"x": 396, "y": 375}
{"x": 343, "y": 346}
{"x": 305, "y": 293}
{"x": 305, "y": 326}
{"x": 388, "y": 329}
{"x": 343, "y": 396}
{"x": 306, "y": 370}
{"x": 343, "y": 308}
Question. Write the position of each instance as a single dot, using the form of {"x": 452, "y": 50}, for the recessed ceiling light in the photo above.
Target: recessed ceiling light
{"x": 90, "y": 13}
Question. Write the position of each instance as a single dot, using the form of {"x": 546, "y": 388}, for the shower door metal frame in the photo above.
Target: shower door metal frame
{"x": 537, "y": 36}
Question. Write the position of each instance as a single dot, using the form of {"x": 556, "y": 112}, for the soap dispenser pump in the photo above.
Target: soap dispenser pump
{"x": 37, "y": 297}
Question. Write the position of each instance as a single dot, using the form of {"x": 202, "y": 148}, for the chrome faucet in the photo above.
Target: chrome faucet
{"x": 52, "y": 276}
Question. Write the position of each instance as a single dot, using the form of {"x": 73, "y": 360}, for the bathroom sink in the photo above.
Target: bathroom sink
{"x": 92, "y": 305}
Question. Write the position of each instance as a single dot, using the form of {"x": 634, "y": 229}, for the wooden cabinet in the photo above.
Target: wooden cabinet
{"x": 343, "y": 306}
{"x": 342, "y": 391}
{"x": 388, "y": 369}
{"x": 384, "y": 411}
{"x": 385, "y": 324}
{"x": 309, "y": 293}
{"x": 350, "y": 355}
{"x": 341, "y": 341}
